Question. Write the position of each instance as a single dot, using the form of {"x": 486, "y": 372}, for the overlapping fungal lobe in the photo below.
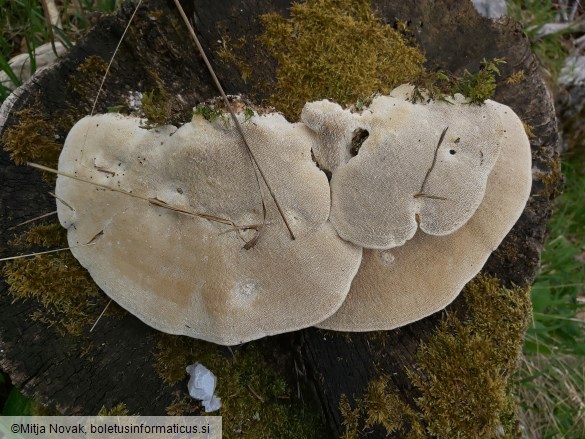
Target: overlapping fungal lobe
{"x": 398, "y": 286}
{"x": 172, "y": 252}
{"x": 334, "y": 129}
{"x": 420, "y": 166}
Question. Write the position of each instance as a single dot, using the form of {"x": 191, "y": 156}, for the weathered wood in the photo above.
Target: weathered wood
{"x": 52, "y": 369}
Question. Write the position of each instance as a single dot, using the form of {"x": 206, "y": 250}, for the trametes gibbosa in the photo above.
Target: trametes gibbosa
{"x": 418, "y": 196}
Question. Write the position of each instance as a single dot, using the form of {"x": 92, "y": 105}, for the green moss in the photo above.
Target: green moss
{"x": 256, "y": 401}
{"x": 335, "y": 49}
{"x": 476, "y": 87}
{"x": 117, "y": 410}
{"x": 351, "y": 418}
{"x": 479, "y": 86}
{"x": 383, "y": 407}
{"x": 87, "y": 80}
{"x": 552, "y": 177}
{"x": 70, "y": 299}
{"x": 32, "y": 138}
{"x": 516, "y": 77}
{"x": 210, "y": 112}
{"x": 463, "y": 374}
{"x": 156, "y": 103}
{"x": 227, "y": 53}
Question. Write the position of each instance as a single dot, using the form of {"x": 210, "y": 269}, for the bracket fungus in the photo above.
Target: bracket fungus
{"x": 172, "y": 253}
{"x": 175, "y": 216}
{"x": 422, "y": 165}
{"x": 399, "y": 286}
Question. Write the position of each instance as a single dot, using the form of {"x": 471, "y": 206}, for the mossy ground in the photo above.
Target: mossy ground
{"x": 336, "y": 49}
{"x": 71, "y": 301}
{"x": 463, "y": 374}
{"x": 156, "y": 103}
{"x": 256, "y": 400}
{"x": 32, "y": 138}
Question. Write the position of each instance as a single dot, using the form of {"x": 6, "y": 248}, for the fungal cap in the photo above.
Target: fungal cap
{"x": 420, "y": 166}
{"x": 399, "y": 286}
{"x": 186, "y": 274}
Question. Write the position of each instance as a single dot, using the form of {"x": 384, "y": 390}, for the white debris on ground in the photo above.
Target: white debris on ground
{"x": 202, "y": 385}
{"x": 491, "y": 8}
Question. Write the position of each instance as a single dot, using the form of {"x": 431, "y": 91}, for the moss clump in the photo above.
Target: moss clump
{"x": 480, "y": 86}
{"x": 70, "y": 298}
{"x": 32, "y": 139}
{"x": 476, "y": 87}
{"x": 118, "y": 410}
{"x": 463, "y": 375}
{"x": 335, "y": 49}
{"x": 256, "y": 401}
{"x": 210, "y": 112}
{"x": 156, "y": 104}
{"x": 516, "y": 78}
{"x": 381, "y": 406}
{"x": 87, "y": 80}
{"x": 227, "y": 53}
{"x": 552, "y": 178}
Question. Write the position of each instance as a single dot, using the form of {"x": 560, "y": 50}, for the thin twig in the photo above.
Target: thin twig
{"x": 65, "y": 203}
{"x": 255, "y": 393}
{"x": 33, "y": 219}
{"x": 422, "y": 188}
{"x": 432, "y": 197}
{"x": 236, "y": 122}
{"x": 153, "y": 201}
{"x": 108, "y": 71}
{"x": 100, "y": 316}
{"x": 11, "y": 258}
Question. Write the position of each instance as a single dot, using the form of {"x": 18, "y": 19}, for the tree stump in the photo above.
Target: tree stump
{"x": 116, "y": 362}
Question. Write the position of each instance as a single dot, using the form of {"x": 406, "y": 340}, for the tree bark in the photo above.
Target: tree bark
{"x": 54, "y": 370}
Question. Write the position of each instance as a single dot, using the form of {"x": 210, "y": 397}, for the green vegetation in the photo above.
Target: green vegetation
{"x": 476, "y": 87}
{"x": 552, "y": 376}
{"x": 32, "y": 139}
{"x": 71, "y": 300}
{"x": 156, "y": 104}
{"x": 118, "y": 410}
{"x": 210, "y": 112}
{"x": 357, "y": 54}
{"x": 556, "y": 330}
{"x": 24, "y": 27}
{"x": 464, "y": 373}
{"x": 534, "y": 14}
{"x": 257, "y": 402}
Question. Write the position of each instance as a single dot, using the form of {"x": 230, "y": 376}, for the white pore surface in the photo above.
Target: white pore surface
{"x": 399, "y": 181}
{"x": 398, "y": 286}
{"x": 188, "y": 275}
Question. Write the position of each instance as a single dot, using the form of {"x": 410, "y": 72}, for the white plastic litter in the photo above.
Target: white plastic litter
{"x": 202, "y": 385}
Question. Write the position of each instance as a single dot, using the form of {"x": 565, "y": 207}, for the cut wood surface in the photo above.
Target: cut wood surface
{"x": 61, "y": 372}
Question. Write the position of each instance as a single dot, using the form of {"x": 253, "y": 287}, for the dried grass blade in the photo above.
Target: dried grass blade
{"x": 434, "y": 161}
{"x": 432, "y": 197}
{"x": 100, "y": 316}
{"x": 33, "y": 219}
{"x": 108, "y": 69}
{"x": 11, "y": 258}
{"x": 130, "y": 194}
{"x": 257, "y": 168}
{"x": 65, "y": 203}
